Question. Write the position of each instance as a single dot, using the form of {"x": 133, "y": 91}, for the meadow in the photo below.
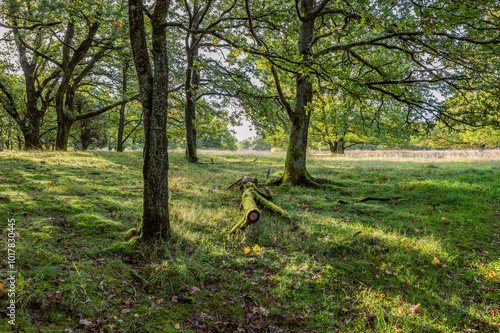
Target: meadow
{"x": 425, "y": 260}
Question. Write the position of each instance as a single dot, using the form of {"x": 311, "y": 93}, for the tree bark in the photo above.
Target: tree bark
{"x": 154, "y": 97}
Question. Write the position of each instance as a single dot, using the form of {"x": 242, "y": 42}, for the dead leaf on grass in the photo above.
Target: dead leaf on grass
{"x": 415, "y": 309}
{"x": 85, "y": 322}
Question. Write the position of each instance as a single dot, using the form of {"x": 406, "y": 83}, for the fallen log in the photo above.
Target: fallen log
{"x": 249, "y": 199}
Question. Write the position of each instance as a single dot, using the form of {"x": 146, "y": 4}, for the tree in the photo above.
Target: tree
{"x": 343, "y": 121}
{"x": 153, "y": 85}
{"x": 39, "y": 77}
{"x": 403, "y": 51}
{"x": 77, "y": 63}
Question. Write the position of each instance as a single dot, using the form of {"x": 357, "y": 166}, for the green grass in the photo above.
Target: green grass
{"x": 357, "y": 267}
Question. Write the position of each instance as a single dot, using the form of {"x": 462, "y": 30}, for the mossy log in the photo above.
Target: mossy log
{"x": 250, "y": 198}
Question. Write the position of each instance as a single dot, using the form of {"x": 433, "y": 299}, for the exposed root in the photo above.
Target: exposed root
{"x": 378, "y": 199}
{"x": 368, "y": 199}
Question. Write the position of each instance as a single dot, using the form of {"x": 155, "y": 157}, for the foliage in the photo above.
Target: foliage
{"x": 254, "y": 144}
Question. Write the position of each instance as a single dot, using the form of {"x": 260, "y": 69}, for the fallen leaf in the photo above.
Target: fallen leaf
{"x": 193, "y": 290}
{"x": 415, "y": 309}
{"x": 491, "y": 275}
{"x": 435, "y": 262}
{"x": 85, "y": 322}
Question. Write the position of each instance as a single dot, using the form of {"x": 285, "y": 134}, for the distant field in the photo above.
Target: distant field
{"x": 469, "y": 155}
{"x": 425, "y": 260}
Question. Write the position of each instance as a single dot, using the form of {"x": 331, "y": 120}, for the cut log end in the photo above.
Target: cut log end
{"x": 249, "y": 199}
{"x": 253, "y": 216}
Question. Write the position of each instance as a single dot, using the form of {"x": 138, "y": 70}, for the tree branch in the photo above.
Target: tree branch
{"x": 104, "y": 109}
{"x": 31, "y": 27}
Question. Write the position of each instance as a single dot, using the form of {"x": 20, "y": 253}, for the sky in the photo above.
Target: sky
{"x": 243, "y": 132}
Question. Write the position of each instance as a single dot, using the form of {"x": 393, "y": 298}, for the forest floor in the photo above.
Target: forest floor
{"x": 426, "y": 262}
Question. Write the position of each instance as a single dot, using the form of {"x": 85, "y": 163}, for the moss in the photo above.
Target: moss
{"x": 131, "y": 233}
{"x": 251, "y": 195}
{"x": 297, "y": 154}
{"x": 124, "y": 248}
{"x": 269, "y": 205}
{"x": 91, "y": 224}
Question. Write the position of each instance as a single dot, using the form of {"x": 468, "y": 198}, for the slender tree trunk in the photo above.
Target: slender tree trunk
{"x": 191, "y": 87}
{"x": 19, "y": 142}
{"x": 154, "y": 97}
{"x": 121, "y": 125}
{"x": 295, "y": 164}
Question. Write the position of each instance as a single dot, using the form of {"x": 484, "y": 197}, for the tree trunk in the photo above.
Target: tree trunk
{"x": 191, "y": 88}
{"x": 295, "y": 171}
{"x": 333, "y": 146}
{"x": 85, "y": 138}
{"x": 19, "y": 142}
{"x": 63, "y": 129}
{"x": 341, "y": 146}
{"x": 154, "y": 98}
{"x": 121, "y": 124}
{"x": 32, "y": 140}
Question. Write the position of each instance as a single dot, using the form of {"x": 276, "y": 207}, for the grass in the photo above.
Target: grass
{"x": 356, "y": 267}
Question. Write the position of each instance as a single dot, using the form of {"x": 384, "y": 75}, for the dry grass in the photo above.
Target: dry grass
{"x": 469, "y": 155}
{"x": 452, "y": 155}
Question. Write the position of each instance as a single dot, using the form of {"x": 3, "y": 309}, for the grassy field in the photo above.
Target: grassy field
{"x": 426, "y": 262}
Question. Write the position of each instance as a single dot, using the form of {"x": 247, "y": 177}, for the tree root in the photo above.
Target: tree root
{"x": 368, "y": 199}
{"x": 378, "y": 199}
{"x": 308, "y": 181}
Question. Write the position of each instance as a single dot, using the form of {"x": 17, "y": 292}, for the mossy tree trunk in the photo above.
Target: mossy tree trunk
{"x": 153, "y": 86}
